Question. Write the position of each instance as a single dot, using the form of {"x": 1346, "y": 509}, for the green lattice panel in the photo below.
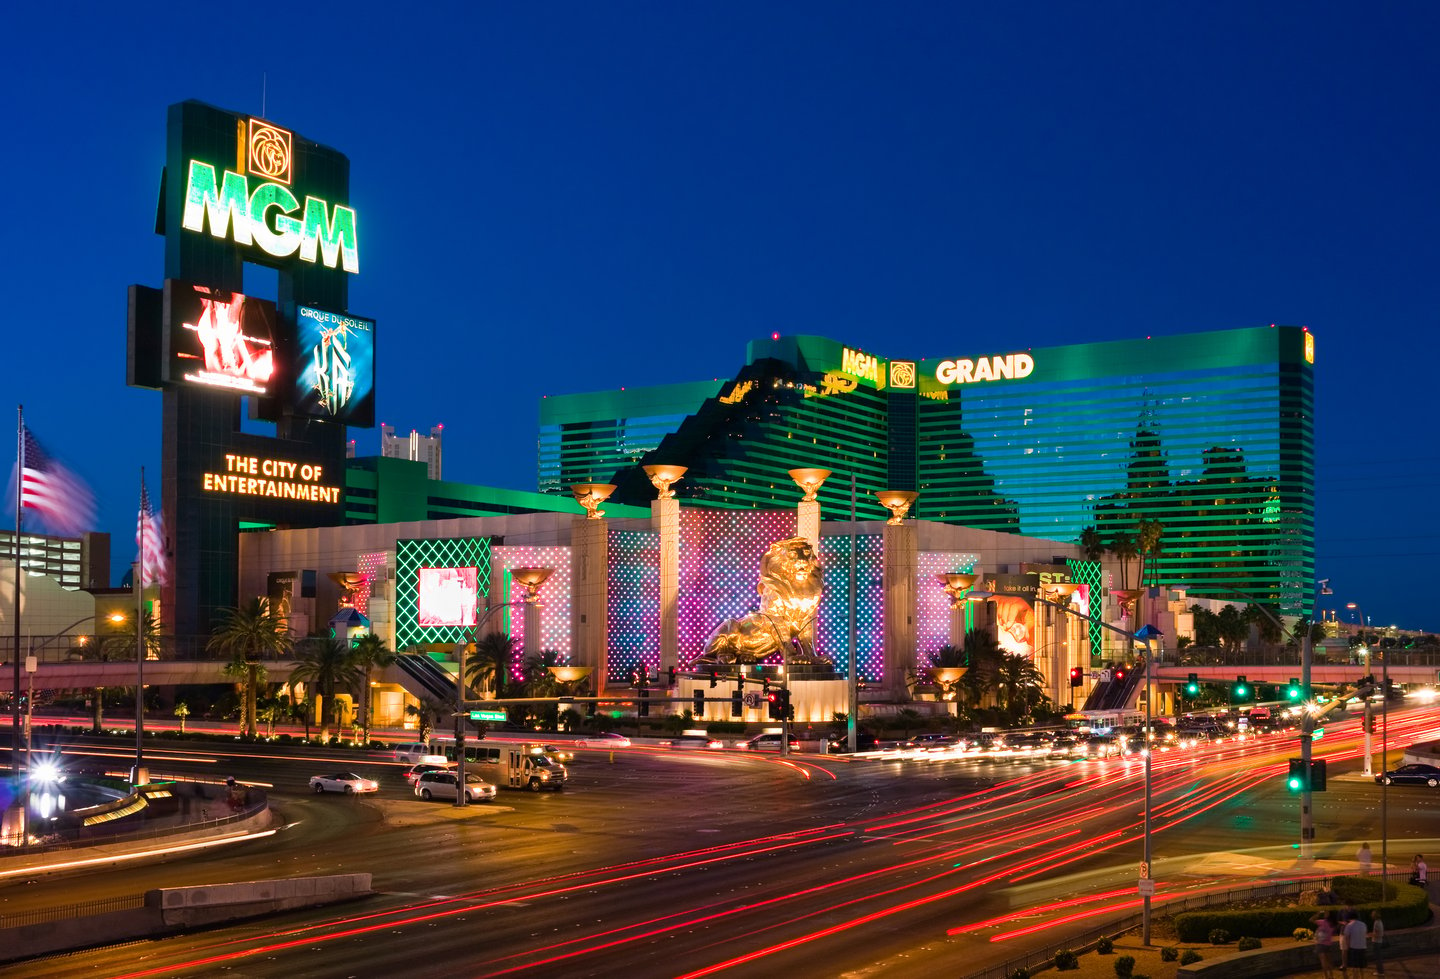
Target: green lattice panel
{"x": 449, "y": 552}
{"x": 1088, "y": 573}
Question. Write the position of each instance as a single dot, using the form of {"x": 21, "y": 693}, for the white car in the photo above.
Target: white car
{"x": 347, "y": 782}
{"x": 602, "y": 741}
{"x": 441, "y": 785}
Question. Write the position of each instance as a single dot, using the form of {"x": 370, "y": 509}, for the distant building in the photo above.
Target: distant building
{"x": 73, "y": 562}
{"x": 415, "y": 447}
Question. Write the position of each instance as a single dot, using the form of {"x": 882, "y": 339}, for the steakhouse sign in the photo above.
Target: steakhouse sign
{"x": 269, "y": 215}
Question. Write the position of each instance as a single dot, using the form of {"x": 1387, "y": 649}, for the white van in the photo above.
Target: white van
{"x": 419, "y": 753}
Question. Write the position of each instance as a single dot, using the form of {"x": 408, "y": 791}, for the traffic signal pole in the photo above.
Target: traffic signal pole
{"x": 1307, "y": 731}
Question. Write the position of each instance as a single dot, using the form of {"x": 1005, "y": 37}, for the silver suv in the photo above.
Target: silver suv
{"x": 442, "y": 785}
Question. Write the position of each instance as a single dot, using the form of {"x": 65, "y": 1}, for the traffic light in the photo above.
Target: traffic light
{"x": 644, "y": 708}
{"x": 1192, "y": 685}
{"x": 765, "y": 685}
{"x": 699, "y": 703}
{"x": 773, "y": 707}
{"x": 1241, "y": 690}
{"x": 714, "y": 678}
{"x": 1317, "y": 775}
{"x": 672, "y": 676}
{"x": 1369, "y": 720}
{"x": 1292, "y": 692}
{"x": 1296, "y": 780}
{"x": 1077, "y": 676}
{"x": 787, "y": 713}
{"x": 1119, "y": 675}
{"x": 737, "y": 708}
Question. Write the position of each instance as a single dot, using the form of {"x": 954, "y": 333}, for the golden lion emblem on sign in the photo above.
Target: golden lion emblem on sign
{"x": 790, "y": 585}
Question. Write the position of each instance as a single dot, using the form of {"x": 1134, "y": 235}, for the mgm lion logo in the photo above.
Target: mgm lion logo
{"x": 790, "y": 585}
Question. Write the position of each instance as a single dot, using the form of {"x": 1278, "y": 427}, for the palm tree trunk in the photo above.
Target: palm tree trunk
{"x": 98, "y": 716}
{"x": 252, "y": 681}
{"x": 365, "y": 704}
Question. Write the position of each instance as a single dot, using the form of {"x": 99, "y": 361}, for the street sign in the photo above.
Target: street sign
{"x": 1146, "y": 887}
{"x": 1317, "y": 734}
{"x": 1100, "y": 676}
{"x": 752, "y": 699}
{"x": 1144, "y": 870}
{"x": 489, "y": 715}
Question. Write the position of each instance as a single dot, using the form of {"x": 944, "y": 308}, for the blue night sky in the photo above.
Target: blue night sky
{"x": 568, "y": 197}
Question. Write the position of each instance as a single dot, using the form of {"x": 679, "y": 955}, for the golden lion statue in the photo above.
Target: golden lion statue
{"x": 790, "y": 585}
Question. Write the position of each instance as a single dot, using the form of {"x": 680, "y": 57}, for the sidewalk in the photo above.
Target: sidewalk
{"x": 1414, "y": 967}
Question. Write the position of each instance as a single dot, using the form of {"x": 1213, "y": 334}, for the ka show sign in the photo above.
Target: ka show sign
{"x": 255, "y": 206}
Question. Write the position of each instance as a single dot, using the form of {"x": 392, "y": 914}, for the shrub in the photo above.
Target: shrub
{"x": 1105, "y": 945}
{"x": 1065, "y": 960}
{"x": 1246, "y": 944}
{"x": 1190, "y": 956}
{"x": 1021, "y": 973}
{"x": 1169, "y": 953}
{"x": 1302, "y": 934}
{"x": 1125, "y": 966}
{"x": 1409, "y": 907}
{"x": 1218, "y": 936}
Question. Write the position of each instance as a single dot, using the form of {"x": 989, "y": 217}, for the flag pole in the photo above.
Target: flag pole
{"x": 140, "y": 776}
{"x": 15, "y": 700}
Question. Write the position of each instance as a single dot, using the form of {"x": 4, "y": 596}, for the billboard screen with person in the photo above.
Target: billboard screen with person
{"x": 220, "y": 339}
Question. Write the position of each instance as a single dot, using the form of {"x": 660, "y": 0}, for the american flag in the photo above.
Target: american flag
{"x": 150, "y": 538}
{"x": 63, "y": 501}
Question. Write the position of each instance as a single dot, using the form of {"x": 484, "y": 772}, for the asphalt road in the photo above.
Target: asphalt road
{"x": 692, "y": 863}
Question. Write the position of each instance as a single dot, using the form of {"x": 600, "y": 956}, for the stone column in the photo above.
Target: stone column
{"x": 589, "y": 594}
{"x": 807, "y": 511}
{"x": 665, "y": 518}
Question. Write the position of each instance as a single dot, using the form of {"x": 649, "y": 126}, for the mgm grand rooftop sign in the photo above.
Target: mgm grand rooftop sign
{"x": 1006, "y": 366}
{"x": 265, "y": 212}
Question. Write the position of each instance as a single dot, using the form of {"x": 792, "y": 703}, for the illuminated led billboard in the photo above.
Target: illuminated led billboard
{"x": 220, "y": 339}
{"x": 418, "y": 622}
{"x": 445, "y": 597}
{"x": 334, "y": 367}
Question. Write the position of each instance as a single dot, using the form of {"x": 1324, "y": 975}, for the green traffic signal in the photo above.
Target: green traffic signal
{"x": 1292, "y": 693}
{"x": 1295, "y": 783}
{"x": 1192, "y": 689}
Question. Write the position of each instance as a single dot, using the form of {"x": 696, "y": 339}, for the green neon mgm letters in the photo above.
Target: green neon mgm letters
{"x": 234, "y": 212}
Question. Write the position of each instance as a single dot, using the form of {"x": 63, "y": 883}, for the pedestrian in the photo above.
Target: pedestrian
{"x": 1342, "y": 938}
{"x": 1377, "y": 941}
{"x": 1354, "y": 936}
{"x": 1325, "y": 943}
{"x": 1419, "y": 872}
{"x": 1363, "y": 858}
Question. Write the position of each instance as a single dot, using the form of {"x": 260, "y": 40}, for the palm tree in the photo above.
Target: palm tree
{"x": 1125, "y": 548}
{"x": 427, "y": 712}
{"x": 326, "y": 665}
{"x": 1092, "y": 545}
{"x": 370, "y": 653}
{"x": 1021, "y": 681}
{"x": 1148, "y": 536}
{"x": 983, "y": 653}
{"x": 248, "y": 634}
{"x": 490, "y": 664}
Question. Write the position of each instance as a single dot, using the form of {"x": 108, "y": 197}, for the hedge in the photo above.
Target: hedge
{"x": 1409, "y": 907}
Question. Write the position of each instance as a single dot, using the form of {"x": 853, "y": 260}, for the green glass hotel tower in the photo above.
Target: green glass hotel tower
{"x": 1209, "y": 434}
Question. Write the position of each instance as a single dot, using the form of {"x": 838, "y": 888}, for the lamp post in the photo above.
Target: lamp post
{"x": 1146, "y": 635}
{"x": 138, "y": 775}
{"x": 1384, "y": 741}
{"x": 530, "y": 579}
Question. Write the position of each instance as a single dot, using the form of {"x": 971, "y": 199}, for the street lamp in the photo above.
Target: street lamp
{"x": 1384, "y": 742}
{"x": 1151, "y": 638}
{"x": 530, "y": 580}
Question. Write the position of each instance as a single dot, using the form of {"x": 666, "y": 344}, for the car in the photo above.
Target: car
{"x": 442, "y": 785}
{"x": 418, "y": 752}
{"x": 767, "y": 742}
{"x": 347, "y": 782}
{"x": 1411, "y": 775}
{"x": 935, "y": 742}
{"x": 603, "y": 741}
{"x": 839, "y": 744}
{"x": 413, "y": 773}
{"x": 695, "y": 741}
{"x": 554, "y": 753}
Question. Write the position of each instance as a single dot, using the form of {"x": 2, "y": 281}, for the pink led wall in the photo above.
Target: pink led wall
{"x": 554, "y": 597}
{"x": 720, "y": 553}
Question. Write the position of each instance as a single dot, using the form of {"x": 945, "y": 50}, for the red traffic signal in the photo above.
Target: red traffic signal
{"x": 1077, "y": 676}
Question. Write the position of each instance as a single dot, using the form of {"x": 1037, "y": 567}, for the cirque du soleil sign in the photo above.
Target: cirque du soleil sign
{"x": 268, "y": 214}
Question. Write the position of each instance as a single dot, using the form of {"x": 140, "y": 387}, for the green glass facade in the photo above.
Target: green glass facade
{"x": 1209, "y": 434}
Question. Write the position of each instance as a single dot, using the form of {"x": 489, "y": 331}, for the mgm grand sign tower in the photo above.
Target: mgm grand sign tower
{"x": 235, "y": 190}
